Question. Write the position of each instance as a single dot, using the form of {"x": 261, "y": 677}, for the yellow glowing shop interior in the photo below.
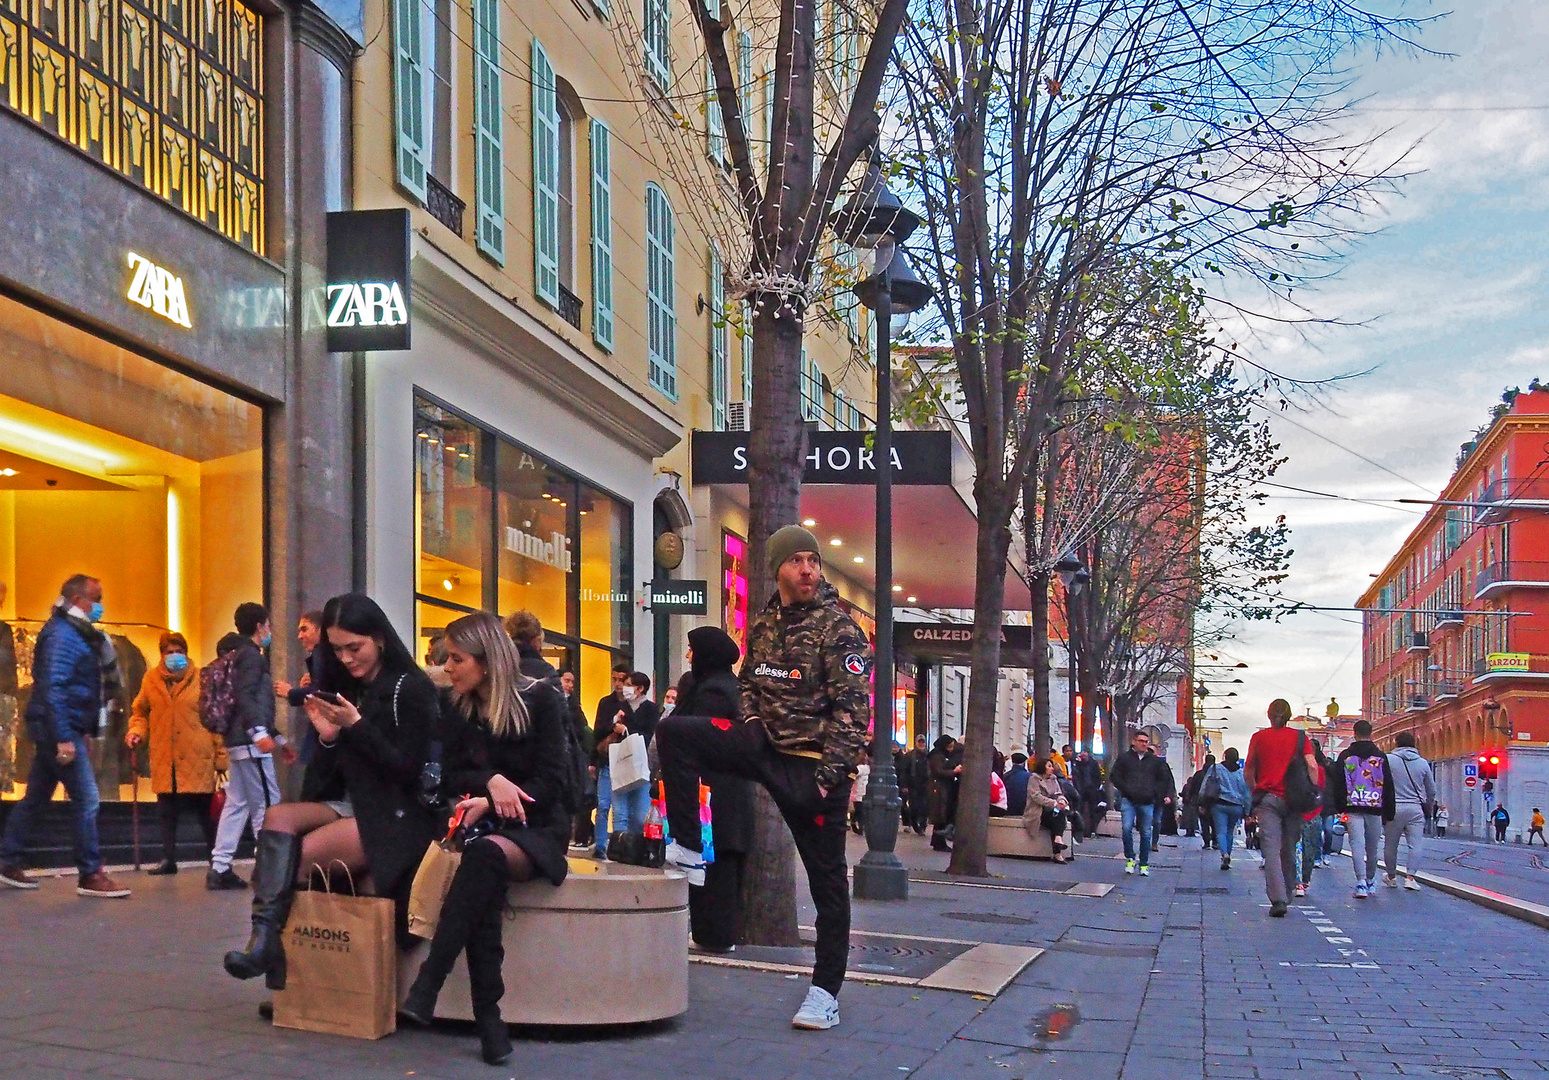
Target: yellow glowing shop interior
{"x": 119, "y": 467}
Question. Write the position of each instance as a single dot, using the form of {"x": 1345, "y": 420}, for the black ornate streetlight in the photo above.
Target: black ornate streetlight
{"x": 877, "y": 220}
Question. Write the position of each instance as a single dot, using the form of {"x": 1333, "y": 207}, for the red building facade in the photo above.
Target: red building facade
{"x": 1455, "y": 637}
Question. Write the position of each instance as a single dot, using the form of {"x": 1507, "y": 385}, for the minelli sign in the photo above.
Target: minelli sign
{"x": 679, "y": 597}
{"x": 367, "y": 299}
{"x": 158, "y": 289}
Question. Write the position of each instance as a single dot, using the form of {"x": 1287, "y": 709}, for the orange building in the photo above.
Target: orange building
{"x": 1455, "y": 637}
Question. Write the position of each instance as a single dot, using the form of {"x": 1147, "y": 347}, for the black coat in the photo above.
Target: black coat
{"x": 1088, "y": 777}
{"x": 1141, "y": 779}
{"x": 602, "y": 725}
{"x": 731, "y": 798}
{"x": 379, "y": 761}
{"x": 534, "y": 761}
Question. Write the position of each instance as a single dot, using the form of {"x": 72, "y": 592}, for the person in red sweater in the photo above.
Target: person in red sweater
{"x": 1270, "y": 753}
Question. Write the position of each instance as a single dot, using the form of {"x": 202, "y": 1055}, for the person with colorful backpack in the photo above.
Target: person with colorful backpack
{"x": 1359, "y": 786}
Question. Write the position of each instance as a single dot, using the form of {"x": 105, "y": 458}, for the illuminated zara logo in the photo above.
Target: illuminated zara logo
{"x": 370, "y": 304}
{"x": 158, "y": 289}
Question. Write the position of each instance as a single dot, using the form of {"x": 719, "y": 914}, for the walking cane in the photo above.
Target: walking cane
{"x": 134, "y": 812}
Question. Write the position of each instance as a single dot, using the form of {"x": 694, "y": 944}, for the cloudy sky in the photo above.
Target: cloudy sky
{"x": 1451, "y": 289}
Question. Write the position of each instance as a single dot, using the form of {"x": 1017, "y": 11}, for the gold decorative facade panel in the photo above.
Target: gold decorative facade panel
{"x": 168, "y": 92}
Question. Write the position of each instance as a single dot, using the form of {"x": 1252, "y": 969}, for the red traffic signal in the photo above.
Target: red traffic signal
{"x": 1489, "y": 766}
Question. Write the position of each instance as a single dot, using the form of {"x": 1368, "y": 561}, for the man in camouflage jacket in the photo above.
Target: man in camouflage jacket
{"x": 805, "y": 703}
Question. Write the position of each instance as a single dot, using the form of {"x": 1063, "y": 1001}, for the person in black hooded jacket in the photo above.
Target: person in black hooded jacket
{"x": 710, "y": 688}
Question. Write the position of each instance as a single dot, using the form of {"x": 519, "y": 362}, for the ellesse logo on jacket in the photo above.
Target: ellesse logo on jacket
{"x": 770, "y": 671}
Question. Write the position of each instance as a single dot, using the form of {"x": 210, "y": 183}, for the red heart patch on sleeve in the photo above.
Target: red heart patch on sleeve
{"x": 721, "y": 723}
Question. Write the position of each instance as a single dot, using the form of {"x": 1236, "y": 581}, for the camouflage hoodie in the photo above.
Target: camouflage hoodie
{"x": 807, "y": 676}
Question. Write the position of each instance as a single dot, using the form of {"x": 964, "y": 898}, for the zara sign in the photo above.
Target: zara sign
{"x": 367, "y": 301}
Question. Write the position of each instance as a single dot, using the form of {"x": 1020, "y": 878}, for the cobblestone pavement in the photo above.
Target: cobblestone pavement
{"x": 1178, "y": 975}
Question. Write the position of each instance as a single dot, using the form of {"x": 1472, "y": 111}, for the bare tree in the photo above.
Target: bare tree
{"x": 769, "y": 226}
{"x": 1045, "y": 139}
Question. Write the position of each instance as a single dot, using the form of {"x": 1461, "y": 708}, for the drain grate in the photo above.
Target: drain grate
{"x": 989, "y": 917}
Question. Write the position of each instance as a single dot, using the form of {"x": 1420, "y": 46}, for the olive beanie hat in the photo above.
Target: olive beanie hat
{"x": 787, "y": 541}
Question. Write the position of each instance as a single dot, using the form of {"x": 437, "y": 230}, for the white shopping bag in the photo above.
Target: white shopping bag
{"x": 629, "y": 764}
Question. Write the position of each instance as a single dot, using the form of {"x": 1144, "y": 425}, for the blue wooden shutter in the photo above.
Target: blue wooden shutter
{"x": 715, "y": 123}
{"x": 409, "y": 97}
{"x": 658, "y": 43}
{"x": 490, "y": 177}
{"x": 602, "y": 236}
{"x": 545, "y": 178}
{"x": 662, "y": 320}
{"x": 745, "y": 80}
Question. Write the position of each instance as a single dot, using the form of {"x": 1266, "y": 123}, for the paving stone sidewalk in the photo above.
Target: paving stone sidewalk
{"x": 1178, "y": 975}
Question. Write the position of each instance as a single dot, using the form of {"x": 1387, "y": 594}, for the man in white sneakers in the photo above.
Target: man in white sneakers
{"x": 1414, "y": 788}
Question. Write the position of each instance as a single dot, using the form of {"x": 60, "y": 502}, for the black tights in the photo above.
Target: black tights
{"x": 172, "y": 805}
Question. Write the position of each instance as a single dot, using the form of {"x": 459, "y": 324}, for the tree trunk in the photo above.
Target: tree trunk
{"x": 973, "y": 803}
{"x": 1043, "y": 723}
{"x": 777, "y": 446}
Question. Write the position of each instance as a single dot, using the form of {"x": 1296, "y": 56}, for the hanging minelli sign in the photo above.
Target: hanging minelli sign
{"x": 678, "y": 597}
{"x": 833, "y": 457}
{"x": 367, "y": 301}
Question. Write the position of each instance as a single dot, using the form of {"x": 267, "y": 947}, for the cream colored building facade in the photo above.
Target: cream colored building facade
{"x": 570, "y": 319}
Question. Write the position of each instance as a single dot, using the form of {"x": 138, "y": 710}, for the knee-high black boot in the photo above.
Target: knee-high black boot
{"x": 486, "y": 956}
{"x": 274, "y": 886}
{"x": 481, "y": 878}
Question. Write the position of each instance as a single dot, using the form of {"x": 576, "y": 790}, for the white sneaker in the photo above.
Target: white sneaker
{"x": 1411, "y": 884}
{"x": 818, "y": 1013}
{"x": 681, "y": 862}
{"x": 1145, "y": 871}
{"x": 1390, "y": 881}
{"x": 1129, "y": 866}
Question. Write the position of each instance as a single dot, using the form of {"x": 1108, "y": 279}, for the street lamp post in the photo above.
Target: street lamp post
{"x": 876, "y": 219}
{"x": 1073, "y": 575}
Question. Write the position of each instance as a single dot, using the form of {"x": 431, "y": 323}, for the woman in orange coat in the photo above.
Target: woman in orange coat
{"x": 185, "y": 755}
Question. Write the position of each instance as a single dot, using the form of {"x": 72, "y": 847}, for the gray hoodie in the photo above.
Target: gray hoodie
{"x": 1411, "y": 776}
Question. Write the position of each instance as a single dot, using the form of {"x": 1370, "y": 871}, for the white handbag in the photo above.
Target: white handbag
{"x": 629, "y": 764}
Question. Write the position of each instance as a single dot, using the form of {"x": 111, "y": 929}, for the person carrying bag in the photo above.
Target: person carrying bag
{"x": 341, "y": 964}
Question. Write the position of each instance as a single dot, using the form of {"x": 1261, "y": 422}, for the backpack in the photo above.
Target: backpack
{"x": 218, "y": 693}
{"x": 1301, "y": 794}
{"x": 1364, "y": 778}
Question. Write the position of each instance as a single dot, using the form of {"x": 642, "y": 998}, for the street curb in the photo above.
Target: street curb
{"x": 1525, "y": 910}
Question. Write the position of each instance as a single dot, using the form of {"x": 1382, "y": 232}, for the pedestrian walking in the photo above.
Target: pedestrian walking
{"x": 374, "y": 731}
{"x": 1443, "y": 817}
{"x": 636, "y": 715}
{"x": 806, "y": 707}
{"x": 72, "y": 664}
{"x": 185, "y": 755}
{"x": 710, "y": 688}
{"x": 945, "y": 767}
{"x": 1414, "y": 789}
{"x": 1086, "y": 773}
{"x": 1536, "y": 828}
{"x": 917, "y": 770}
{"x": 1163, "y": 818}
{"x": 1194, "y": 810}
{"x": 1359, "y": 786}
{"x": 245, "y": 720}
{"x": 1139, "y": 778}
{"x": 1502, "y": 821}
{"x": 507, "y": 756}
{"x": 608, "y": 707}
{"x": 1272, "y": 754}
{"x": 1225, "y": 793}
{"x": 1309, "y": 851}
{"x": 858, "y": 792}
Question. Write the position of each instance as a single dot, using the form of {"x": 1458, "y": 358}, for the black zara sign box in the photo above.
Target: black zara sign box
{"x": 833, "y": 457}
{"x": 367, "y": 299}
{"x": 678, "y": 597}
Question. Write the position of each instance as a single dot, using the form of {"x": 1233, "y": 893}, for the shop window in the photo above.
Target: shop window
{"x": 503, "y": 529}
{"x": 453, "y": 520}
{"x": 734, "y": 587}
{"x": 115, "y": 466}
{"x": 170, "y": 95}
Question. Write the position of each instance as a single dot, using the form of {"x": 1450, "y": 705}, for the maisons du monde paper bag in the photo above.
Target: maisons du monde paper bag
{"x": 341, "y": 966}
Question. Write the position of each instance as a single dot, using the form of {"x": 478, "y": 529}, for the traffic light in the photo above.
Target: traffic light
{"x": 1490, "y": 765}
{"x": 1489, "y": 787}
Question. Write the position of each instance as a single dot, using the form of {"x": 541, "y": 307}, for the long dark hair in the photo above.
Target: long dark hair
{"x": 359, "y": 614}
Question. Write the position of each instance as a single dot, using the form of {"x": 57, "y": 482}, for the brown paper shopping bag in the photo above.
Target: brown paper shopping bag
{"x": 342, "y": 966}
{"x": 432, "y": 881}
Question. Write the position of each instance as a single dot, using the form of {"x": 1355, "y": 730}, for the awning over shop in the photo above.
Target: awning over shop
{"x": 933, "y": 517}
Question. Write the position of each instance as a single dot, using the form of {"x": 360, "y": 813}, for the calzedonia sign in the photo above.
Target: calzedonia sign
{"x": 678, "y": 597}
{"x": 833, "y": 457}
{"x": 367, "y": 301}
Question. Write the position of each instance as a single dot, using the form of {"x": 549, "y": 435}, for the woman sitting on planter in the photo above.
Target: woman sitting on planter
{"x": 1047, "y": 807}
{"x": 506, "y": 759}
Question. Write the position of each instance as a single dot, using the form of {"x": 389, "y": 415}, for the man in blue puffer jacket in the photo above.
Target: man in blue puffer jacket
{"x": 64, "y": 711}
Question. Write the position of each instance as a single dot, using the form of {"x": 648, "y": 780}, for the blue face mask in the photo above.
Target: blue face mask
{"x": 175, "y": 662}
{"x": 95, "y": 614}
{"x": 264, "y": 641}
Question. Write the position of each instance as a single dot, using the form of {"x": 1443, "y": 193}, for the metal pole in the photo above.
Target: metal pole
{"x": 879, "y": 875}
